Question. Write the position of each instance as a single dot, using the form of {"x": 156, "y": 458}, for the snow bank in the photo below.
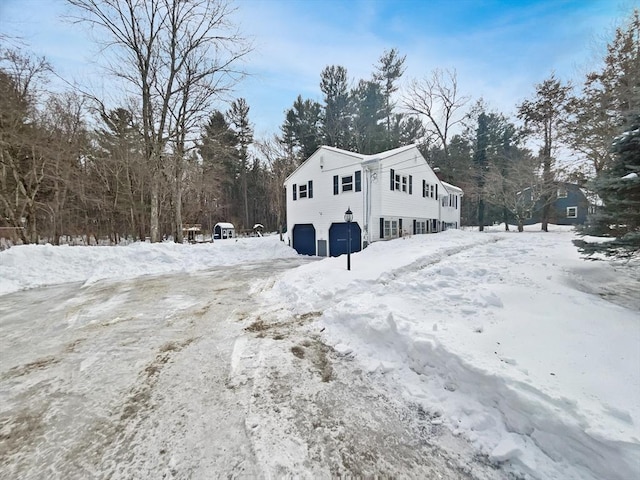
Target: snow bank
{"x": 29, "y": 266}
{"x": 492, "y": 334}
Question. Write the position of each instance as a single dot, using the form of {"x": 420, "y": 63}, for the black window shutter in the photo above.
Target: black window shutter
{"x": 414, "y": 227}
{"x": 424, "y": 187}
{"x": 436, "y": 191}
{"x": 381, "y": 227}
{"x": 310, "y": 189}
{"x": 410, "y": 185}
{"x": 335, "y": 184}
{"x": 358, "y": 181}
{"x": 295, "y": 191}
{"x": 400, "y": 226}
{"x": 392, "y": 178}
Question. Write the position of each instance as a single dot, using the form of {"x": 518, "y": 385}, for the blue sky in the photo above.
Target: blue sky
{"x": 500, "y": 49}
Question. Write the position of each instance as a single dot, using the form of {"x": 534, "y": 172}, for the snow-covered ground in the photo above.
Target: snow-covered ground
{"x": 509, "y": 340}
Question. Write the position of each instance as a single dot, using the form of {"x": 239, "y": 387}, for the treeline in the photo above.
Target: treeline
{"x": 168, "y": 155}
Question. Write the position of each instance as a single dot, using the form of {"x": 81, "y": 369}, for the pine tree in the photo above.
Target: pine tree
{"x": 337, "y": 111}
{"x": 301, "y": 128}
{"x": 619, "y": 188}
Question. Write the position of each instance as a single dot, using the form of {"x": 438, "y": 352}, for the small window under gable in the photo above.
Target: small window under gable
{"x": 303, "y": 191}
{"x": 397, "y": 182}
{"x": 347, "y": 183}
{"x": 404, "y": 184}
{"x": 562, "y": 192}
{"x": 572, "y": 212}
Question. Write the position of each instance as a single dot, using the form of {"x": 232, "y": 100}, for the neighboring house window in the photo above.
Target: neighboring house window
{"x": 347, "y": 183}
{"x": 562, "y": 192}
{"x": 572, "y": 212}
{"x": 336, "y": 185}
{"x": 358, "y": 181}
{"x": 303, "y": 191}
{"x": 592, "y": 209}
{"x": 295, "y": 191}
{"x": 387, "y": 228}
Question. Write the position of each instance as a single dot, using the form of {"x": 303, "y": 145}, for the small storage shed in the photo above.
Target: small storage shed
{"x": 223, "y": 230}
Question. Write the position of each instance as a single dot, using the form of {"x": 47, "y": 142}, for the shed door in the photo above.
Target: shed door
{"x": 304, "y": 238}
{"x": 338, "y": 234}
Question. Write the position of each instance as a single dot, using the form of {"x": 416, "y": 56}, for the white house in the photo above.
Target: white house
{"x": 391, "y": 194}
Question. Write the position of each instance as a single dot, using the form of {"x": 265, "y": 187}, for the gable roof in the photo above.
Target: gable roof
{"x": 359, "y": 156}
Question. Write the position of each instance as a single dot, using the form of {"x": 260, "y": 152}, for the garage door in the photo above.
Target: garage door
{"x": 304, "y": 238}
{"x": 338, "y": 234}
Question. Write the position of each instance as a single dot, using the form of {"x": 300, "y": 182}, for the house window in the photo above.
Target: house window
{"x": 397, "y": 180}
{"x": 562, "y": 192}
{"x": 431, "y": 187}
{"x": 390, "y": 228}
{"x": 572, "y": 212}
{"x": 358, "y": 181}
{"x": 347, "y": 183}
{"x": 404, "y": 184}
{"x": 303, "y": 191}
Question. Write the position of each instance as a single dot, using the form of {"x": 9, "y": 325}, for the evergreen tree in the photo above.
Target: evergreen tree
{"x": 607, "y": 97}
{"x": 220, "y": 169}
{"x": 480, "y": 163}
{"x": 368, "y": 136}
{"x": 619, "y": 188}
{"x": 238, "y": 116}
{"x": 545, "y": 115}
{"x": 301, "y": 128}
{"x": 389, "y": 70}
{"x": 337, "y": 113}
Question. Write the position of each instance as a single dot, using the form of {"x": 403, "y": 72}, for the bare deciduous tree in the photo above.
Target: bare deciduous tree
{"x": 22, "y": 156}
{"x": 437, "y": 98}
{"x": 178, "y": 57}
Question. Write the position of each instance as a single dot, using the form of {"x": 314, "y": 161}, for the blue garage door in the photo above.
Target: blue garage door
{"x": 304, "y": 238}
{"x": 338, "y": 234}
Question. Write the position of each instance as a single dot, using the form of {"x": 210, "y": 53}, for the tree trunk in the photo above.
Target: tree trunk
{"x": 481, "y": 214}
{"x": 155, "y": 211}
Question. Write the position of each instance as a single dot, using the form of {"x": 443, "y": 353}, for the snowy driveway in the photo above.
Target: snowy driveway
{"x": 179, "y": 376}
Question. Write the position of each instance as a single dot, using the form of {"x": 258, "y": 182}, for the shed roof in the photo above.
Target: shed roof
{"x": 224, "y": 225}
